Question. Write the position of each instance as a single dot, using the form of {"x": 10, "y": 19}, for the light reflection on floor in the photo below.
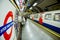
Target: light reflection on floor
{"x": 32, "y": 32}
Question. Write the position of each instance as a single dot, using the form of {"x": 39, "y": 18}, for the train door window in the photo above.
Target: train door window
{"x": 48, "y": 16}
{"x": 57, "y": 17}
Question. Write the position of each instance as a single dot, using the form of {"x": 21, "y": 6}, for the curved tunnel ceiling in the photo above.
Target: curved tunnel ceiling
{"x": 45, "y": 5}
{"x": 42, "y": 5}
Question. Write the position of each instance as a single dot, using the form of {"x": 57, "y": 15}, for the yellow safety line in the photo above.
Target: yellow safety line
{"x": 49, "y": 30}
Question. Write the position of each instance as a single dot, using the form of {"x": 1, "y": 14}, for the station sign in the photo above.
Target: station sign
{"x": 6, "y": 25}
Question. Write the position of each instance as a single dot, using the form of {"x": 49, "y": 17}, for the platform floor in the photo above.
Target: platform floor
{"x": 31, "y": 32}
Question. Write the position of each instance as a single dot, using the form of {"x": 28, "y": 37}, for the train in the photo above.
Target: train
{"x": 50, "y": 19}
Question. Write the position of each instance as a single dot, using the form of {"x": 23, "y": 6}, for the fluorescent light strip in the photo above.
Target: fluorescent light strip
{"x": 30, "y": 7}
{"x": 34, "y": 4}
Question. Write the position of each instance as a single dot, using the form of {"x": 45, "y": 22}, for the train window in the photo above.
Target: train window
{"x": 48, "y": 16}
{"x": 57, "y": 17}
{"x": 36, "y": 15}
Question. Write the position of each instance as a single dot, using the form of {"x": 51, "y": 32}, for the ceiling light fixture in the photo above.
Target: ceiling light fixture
{"x": 34, "y": 4}
{"x": 30, "y": 7}
{"x": 17, "y": 2}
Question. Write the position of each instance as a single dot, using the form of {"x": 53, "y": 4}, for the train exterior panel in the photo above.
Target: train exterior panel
{"x": 49, "y": 19}
{"x": 52, "y": 20}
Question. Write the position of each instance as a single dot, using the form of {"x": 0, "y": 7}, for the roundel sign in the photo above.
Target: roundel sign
{"x": 7, "y": 36}
{"x": 6, "y": 26}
